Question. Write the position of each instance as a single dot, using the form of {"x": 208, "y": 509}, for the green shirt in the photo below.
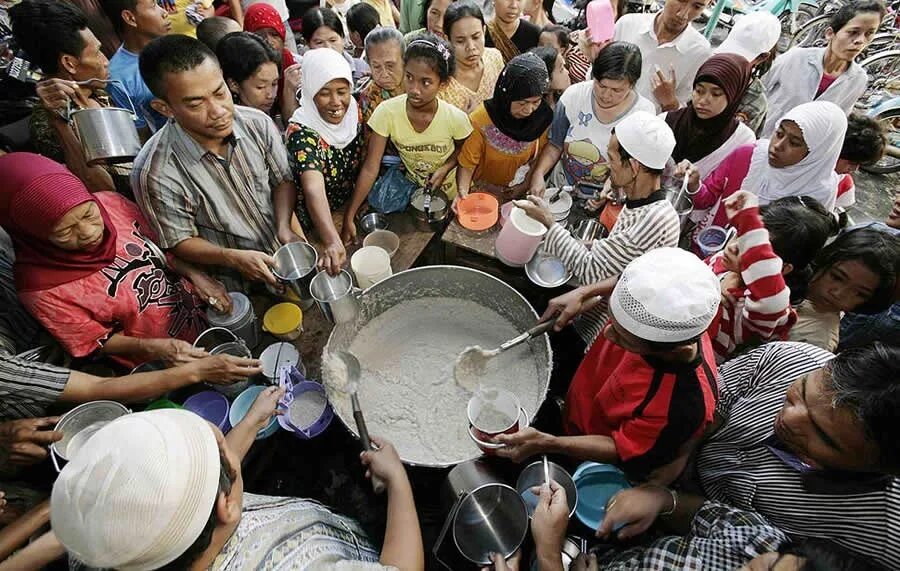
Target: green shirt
{"x": 411, "y": 12}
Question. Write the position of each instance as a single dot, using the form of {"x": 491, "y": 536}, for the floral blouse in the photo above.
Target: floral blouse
{"x": 461, "y": 96}
{"x": 340, "y": 167}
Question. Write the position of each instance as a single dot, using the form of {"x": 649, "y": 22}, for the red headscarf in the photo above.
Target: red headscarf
{"x": 35, "y": 194}
{"x": 262, "y": 15}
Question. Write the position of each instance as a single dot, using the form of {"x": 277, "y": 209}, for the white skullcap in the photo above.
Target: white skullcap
{"x": 753, "y": 34}
{"x": 139, "y": 492}
{"x": 647, "y": 138}
{"x": 667, "y": 295}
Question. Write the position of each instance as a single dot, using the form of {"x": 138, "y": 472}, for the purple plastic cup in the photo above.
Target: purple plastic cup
{"x": 212, "y": 406}
{"x": 299, "y": 388}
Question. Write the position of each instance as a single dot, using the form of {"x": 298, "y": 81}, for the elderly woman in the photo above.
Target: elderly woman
{"x": 477, "y": 67}
{"x": 325, "y": 147}
{"x": 88, "y": 270}
{"x": 585, "y": 117}
{"x": 507, "y": 130}
{"x": 263, "y": 20}
{"x": 384, "y": 51}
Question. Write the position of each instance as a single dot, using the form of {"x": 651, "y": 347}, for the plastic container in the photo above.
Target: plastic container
{"x": 711, "y": 240}
{"x": 505, "y": 210}
{"x": 601, "y": 22}
{"x": 276, "y": 356}
{"x": 519, "y": 239}
{"x": 162, "y": 403}
{"x": 562, "y": 206}
{"x": 284, "y": 321}
{"x": 370, "y": 265}
{"x": 478, "y": 211}
{"x": 241, "y": 321}
{"x": 212, "y": 406}
{"x": 384, "y": 239}
{"x": 241, "y": 406}
{"x": 596, "y": 485}
{"x": 307, "y": 412}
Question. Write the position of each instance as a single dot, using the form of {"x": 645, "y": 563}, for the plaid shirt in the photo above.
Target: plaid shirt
{"x": 721, "y": 537}
{"x": 186, "y": 191}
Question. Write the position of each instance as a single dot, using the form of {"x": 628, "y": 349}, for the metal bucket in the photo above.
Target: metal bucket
{"x": 79, "y": 424}
{"x": 295, "y": 267}
{"x": 485, "y": 516}
{"x": 335, "y": 296}
{"x": 218, "y": 341}
{"x": 107, "y": 135}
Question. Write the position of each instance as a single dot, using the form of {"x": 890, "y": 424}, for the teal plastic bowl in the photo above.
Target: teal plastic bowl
{"x": 596, "y": 484}
{"x": 241, "y": 406}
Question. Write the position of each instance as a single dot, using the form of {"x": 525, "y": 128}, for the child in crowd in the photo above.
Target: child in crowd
{"x": 864, "y": 144}
{"x": 427, "y": 132}
{"x": 764, "y": 268}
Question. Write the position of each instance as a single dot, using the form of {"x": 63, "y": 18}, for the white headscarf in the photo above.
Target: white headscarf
{"x": 319, "y": 67}
{"x": 824, "y": 125}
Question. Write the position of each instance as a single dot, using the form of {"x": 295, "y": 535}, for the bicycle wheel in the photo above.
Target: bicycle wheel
{"x": 811, "y": 34}
{"x": 882, "y": 42}
{"x": 890, "y": 122}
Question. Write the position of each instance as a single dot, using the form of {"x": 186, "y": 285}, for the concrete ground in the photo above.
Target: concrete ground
{"x": 874, "y": 194}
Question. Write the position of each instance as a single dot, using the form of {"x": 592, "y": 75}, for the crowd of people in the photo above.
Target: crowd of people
{"x": 749, "y": 392}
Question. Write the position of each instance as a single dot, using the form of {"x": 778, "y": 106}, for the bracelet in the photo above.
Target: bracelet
{"x": 672, "y": 492}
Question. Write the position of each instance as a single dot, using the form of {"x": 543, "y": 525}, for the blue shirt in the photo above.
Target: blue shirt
{"x": 123, "y": 66}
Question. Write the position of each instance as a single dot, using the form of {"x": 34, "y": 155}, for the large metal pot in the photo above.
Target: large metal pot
{"x": 452, "y": 282}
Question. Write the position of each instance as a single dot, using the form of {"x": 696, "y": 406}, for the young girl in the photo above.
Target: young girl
{"x": 250, "y": 68}
{"x": 764, "y": 269}
{"x": 855, "y": 273}
{"x": 556, "y": 68}
{"x": 426, "y": 131}
{"x": 323, "y": 29}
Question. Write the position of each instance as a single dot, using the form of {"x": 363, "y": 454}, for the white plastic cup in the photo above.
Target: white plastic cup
{"x": 370, "y": 265}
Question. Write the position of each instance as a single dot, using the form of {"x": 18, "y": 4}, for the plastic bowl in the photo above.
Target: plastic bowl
{"x": 241, "y": 406}
{"x": 596, "y": 484}
{"x": 384, "y": 239}
{"x": 478, "y": 211}
{"x": 211, "y": 405}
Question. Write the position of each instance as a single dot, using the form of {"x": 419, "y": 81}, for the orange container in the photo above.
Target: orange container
{"x": 478, "y": 211}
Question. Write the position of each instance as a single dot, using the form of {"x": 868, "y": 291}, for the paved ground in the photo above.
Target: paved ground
{"x": 874, "y": 194}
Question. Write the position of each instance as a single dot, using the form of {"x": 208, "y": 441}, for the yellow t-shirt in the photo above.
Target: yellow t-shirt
{"x": 422, "y": 153}
{"x": 495, "y": 156}
{"x": 178, "y": 16}
{"x": 385, "y": 15}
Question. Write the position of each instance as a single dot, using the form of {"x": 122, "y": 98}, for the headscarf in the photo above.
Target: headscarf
{"x": 695, "y": 137}
{"x": 524, "y": 76}
{"x": 824, "y": 125}
{"x": 262, "y": 15}
{"x": 36, "y": 193}
{"x": 319, "y": 67}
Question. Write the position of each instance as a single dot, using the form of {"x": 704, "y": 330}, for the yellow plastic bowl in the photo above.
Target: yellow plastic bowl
{"x": 284, "y": 320}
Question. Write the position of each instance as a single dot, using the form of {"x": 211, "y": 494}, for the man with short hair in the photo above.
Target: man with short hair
{"x": 205, "y": 181}
{"x": 672, "y": 51}
{"x": 137, "y": 22}
{"x": 164, "y": 489}
{"x": 638, "y": 150}
{"x": 211, "y": 30}
{"x": 647, "y": 389}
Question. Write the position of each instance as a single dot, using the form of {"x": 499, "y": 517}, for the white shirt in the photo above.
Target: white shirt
{"x": 687, "y": 53}
{"x": 795, "y": 77}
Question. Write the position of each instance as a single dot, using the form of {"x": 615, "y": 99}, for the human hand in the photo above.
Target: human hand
{"x": 731, "y": 281}
{"x": 581, "y": 299}
{"x": 538, "y": 186}
{"x": 536, "y": 208}
{"x": 264, "y": 407}
{"x": 693, "y": 179}
{"x": 550, "y": 519}
{"x": 634, "y": 510}
{"x": 664, "y": 87}
{"x": 253, "y": 265}
{"x": 523, "y": 444}
{"x": 348, "y": 231}
{"x": 739, "y": 201}
{"x": 211, "y": 291}
{"x": 333, "y": 257}
{"x": 293, "y": 77}
{"x": 384, "y": 462}
{"x": 25, "y": 441}
{"x": 683, "y": 168}
{"x": 224, "y": 369}
{"x": 436, "y": 180}
{"x": 287, "y": 236}
{"x": 585, "y": 562}
{"x": 55, "y": 94}
{"x": 501, "y": 564}
{"x": 172, "y": 351}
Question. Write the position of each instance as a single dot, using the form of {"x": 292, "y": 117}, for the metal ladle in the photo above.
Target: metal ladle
{"x": 353, "y": 374}
{"x": 471, "y": 364}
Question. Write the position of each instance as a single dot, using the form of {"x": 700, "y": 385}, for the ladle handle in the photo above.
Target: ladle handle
{"x": 538, "y": 329}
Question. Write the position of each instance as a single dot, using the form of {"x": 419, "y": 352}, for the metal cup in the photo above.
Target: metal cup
{"x": 335, "y": 297}
{"x": 295, "y": 267}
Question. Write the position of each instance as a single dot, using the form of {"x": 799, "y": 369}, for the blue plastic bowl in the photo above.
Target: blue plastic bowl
{"x": 596, "y": 484}
{"x": 241, "y": 406}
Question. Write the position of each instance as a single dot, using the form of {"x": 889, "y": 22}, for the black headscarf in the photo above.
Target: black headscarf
{"x": 524, "y": 76}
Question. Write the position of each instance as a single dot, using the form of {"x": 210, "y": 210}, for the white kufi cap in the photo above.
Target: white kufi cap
{"x": 667, "y": 296}
{"x": 139, "y": 492}
{"x": 753, "y": 34}
{"x": 647, "y": 138}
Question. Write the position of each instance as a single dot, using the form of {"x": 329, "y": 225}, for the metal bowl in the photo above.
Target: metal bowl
{"x": 546, "y": 270}
{"x": 373, "y": 221}
{"x": 88, "y": 417}
{"x": 452, "y": 282}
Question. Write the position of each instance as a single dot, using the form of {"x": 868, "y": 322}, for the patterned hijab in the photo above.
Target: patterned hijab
{"x": 36, "y": 193}
{"x": 524, "y": 76}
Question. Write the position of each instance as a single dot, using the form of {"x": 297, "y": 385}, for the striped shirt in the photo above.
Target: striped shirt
{"x": 186, "y": 191}
{"x": 763, "y": 308}
{"x": 18, "y": 329}
{"x": 735, "y": 465}
{"x": 643, "y": 225}
{"x": 28, "y": 388}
